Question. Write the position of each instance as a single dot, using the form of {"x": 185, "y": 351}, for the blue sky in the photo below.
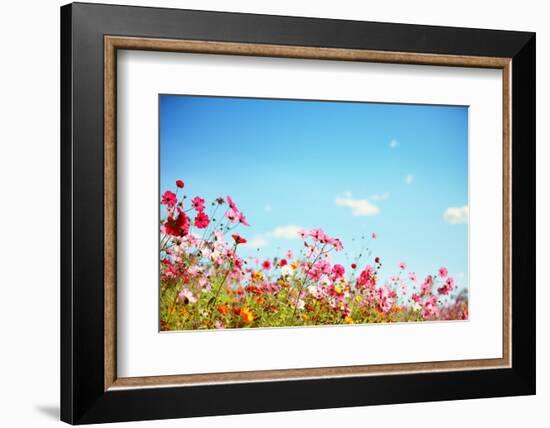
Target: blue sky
{"x": 349, "y": 168}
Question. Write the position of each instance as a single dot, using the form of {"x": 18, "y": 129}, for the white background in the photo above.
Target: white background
{"x": 29, "y": 173}
{"x": 141, "y": 349}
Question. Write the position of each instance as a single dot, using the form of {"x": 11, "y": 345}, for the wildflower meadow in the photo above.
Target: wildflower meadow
{"x": 205, "y": 282}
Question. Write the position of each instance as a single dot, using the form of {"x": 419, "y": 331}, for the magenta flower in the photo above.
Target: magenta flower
{"x": 443, "y": 272}
{"x": 412, "y": 276}
{"x": 232, "y": 204}
{"x": 201, "y": 220}
{"x": 242, "y": 220}
{"x": 402, "y": 265}
{"x": 447, "y": 287}
{"x": 198, "y": 203}
{"x": 366, "y": 278}
{"x": 338, "y": 271}
{"x": 169, "y": 198}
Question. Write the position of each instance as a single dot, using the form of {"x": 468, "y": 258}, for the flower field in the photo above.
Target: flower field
{"x": 206, "y": 284}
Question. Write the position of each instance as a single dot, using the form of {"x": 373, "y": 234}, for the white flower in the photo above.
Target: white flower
{"x": 286, "y": 270}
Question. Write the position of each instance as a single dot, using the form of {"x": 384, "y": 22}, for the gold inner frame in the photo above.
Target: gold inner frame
{"x": 113, "y": 43}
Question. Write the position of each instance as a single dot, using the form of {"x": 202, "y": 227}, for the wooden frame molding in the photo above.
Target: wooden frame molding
{"x": 113, "y": 43}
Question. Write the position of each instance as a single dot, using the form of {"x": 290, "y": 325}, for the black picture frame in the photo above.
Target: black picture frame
{"x": 83, "y": 398}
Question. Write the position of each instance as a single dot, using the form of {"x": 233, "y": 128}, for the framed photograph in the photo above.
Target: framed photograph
{"x": 265, "y": 213}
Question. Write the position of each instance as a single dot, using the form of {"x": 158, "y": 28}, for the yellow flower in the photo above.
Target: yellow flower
{"x": 246, "y": 315}
{"x": 184, "y": 312}
{"x": 348, "y": 320}
{"x": 337, "y": 289}
{"x": 257, "y": 276}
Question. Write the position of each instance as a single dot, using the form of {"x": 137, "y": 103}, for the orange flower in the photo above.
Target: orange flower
{"x": 222, "y": 309}
{"x": 257, "y": 276}
{"x": 247, "y": 315}
{"x": 348, "y": 320}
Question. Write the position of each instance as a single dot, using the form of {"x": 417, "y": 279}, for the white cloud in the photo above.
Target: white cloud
{"x": 456, "y": 215}
{"x": 393, "y": 144}
{"x": 289, "y": 231}
{"x": 359, "y": 207}
{"x": 257, "y": 241}
{"x": 380, "y": 196}
{"x": 409, "y": 178}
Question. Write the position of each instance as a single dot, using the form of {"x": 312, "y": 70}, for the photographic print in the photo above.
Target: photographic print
{"x": 292, "y": 213}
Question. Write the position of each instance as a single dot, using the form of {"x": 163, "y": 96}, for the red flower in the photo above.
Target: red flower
{"x": 169, "y": 198}
{"x": 178, "y": 226}
{"x": 180, "y": 184}
{"x": 201, "y": 220}
{"x": 238, "y": 239}
{"x": 377, "y": 259}
{"x": 266, "y": 265}
{"x": 283, "y": 262}
{"x": 353, "y": 266}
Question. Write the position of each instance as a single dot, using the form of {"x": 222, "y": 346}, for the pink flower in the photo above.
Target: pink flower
{"x": 443, "y": 272}
{"x": 232, "y": 215}
{"x": 198, "y": 203}
{"x": 416, "y": 298}
{"x": 338, "y": 271}
{"x": 242, "y": 220}
{"x": 185, "y": 296}
{"x": 320, "y": 268}
{"x": 201, "y": 220}
{"x": 366, "y": 278}
{"x": 337, "y": 244}
{"x": 374, "y": 235}
{"x": 426, "y": 286}
{"x": 232, "y": 204}
{"x": 302, "y": 234}
{"x": 412, "y": 276}
{"x": 450, "y": 283}
{"x": 266, "y": 265}
{"x": 169, "y": 198}
{"x": 402, "y": 265}
{"x": 447, "y": 287}
{"x": 386, "y": 298}
{"x": 289, "y": 254}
